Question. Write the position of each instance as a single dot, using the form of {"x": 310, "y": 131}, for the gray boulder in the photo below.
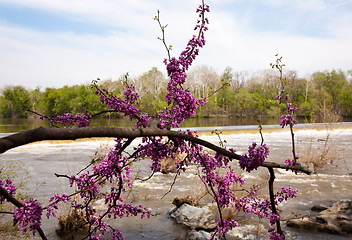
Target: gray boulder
{"x": 194, "y": 217}
{"x": 198, "y": 235}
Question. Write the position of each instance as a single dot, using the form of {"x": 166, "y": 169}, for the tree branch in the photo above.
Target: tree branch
{"x": 18, "y": 204}
{"x": 41, "y": 134}
{"x": 272, "y": 199}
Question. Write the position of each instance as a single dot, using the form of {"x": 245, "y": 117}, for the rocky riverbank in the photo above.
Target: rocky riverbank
{"x": 201, "y": 221}
{"x": 336, "y": 219}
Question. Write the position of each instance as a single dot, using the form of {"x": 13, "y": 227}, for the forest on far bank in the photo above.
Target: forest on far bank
{"x": 230, "y": 93}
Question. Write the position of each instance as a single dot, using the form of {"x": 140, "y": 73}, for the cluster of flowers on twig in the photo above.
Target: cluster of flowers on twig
{"x": 9, "y": 187}
{"x": 263, "y": 207}
{"x": 286, "y": 119}
{"x": 53, "y": 207}
{"x": 275, "y": 235}
{"x": 70, "y": 120}
{"x": 284, "y": 194}
{"x": 113, "y": 168}
{"x": 290, "y": 162}
{"x": 224, "y": 184}
{"x": 126, "y": 105}
{"x": 29, "y": 215}
{"x": 181, "y": 103}
{"x": 255, "y": 158}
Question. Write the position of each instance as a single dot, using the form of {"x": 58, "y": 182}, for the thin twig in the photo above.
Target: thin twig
{"x": 157, "y": 18}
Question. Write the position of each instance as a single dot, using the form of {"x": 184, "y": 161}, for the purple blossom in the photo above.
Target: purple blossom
{"x": 9, "y": 187}
{"x": 224, "y": 226}
{"x": 125, "y": 210}
{"x": 70, "y": 120}
{"x": 290, "y": 162}
{"x": 52, "y": 208}
{"x": 275, "y": 235}
{"x": 224, "y": 184}
{"x": 273, "y": 218}
{"x": 126, "y": 105}
{"x": 114, "y": 166}
{"x": 255, "y": 158}
{"x": 181, "y": 103}
{"x": 28, "y": 216}
{"x": 279, "y": 98}
{"x": 287, "y": 120}
{"x": 285, "y": 194}
{"x": 86, "y": 185}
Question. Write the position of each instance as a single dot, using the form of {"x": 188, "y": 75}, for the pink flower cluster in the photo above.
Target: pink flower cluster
{"x": 86, "y": 185}
{"x": 70, "y": 120}
{"x": 224, "y": 226}
{"x": 113, "y": 234}
{"x": 285, "y": 194}
{"x": 256, "y": 205}
{"x": 275, "y": 235}
{"x": 288, "y": 118}
{"x": 28, "y": 216}
{"x": 290, "y": 162}
{"x": 262, "y": 207}
{"x": 255, "y": 158}
{"x": 52, "y": 208}
{"x": 126, "y": 105}
{"x": 156, "y": 149}
{"x": 224, "y": 184}
{"x": 9, "y": 187}
{"x": 114, "y": 168}
{"x": 181, "y": 103}
{"x": 125, "y": 210}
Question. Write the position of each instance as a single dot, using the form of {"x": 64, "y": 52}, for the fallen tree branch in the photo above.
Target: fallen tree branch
{"x": 42, "y": 134}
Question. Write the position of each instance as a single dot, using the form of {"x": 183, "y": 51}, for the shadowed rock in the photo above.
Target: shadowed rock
{"x": 335, "y": 220}
{"x": 178, "y": 201}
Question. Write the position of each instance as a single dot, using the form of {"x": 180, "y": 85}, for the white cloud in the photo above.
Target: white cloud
{"x": 31, "y": 57}
{"x": 245, "y": 49}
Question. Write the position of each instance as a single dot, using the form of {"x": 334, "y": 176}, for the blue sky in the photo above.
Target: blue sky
{"x": 65, "y": 42}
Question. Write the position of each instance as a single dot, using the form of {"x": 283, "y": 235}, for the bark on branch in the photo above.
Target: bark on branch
{"x": 42, "y": 134}
{"x": 18, "y": 204}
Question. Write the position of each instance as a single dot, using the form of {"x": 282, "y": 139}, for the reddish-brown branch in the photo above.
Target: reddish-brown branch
{"x": 41, "y": 134}
{"x": 18, "y": 204}
{"x": 272, "y": 199}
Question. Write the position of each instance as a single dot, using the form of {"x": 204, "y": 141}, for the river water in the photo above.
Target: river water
{"x": 39, "y": 161}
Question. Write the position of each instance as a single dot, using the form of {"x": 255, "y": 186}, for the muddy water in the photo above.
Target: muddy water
{"x": 333, "y": 181}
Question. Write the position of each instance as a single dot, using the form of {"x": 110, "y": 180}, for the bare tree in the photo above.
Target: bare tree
{"x": 202, "y": 80}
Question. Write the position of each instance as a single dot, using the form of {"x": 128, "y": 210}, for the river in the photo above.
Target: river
{"x": 39, "y": 161}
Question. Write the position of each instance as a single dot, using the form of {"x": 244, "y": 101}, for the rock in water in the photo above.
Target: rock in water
{"x": 198, "y": 235}
{"x": 178, "y": 201}
{"x": 335, "y": 220}
{"x": 194, "y": 217}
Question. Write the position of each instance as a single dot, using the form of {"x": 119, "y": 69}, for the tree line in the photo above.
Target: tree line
{"x": 231, "y": 93}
